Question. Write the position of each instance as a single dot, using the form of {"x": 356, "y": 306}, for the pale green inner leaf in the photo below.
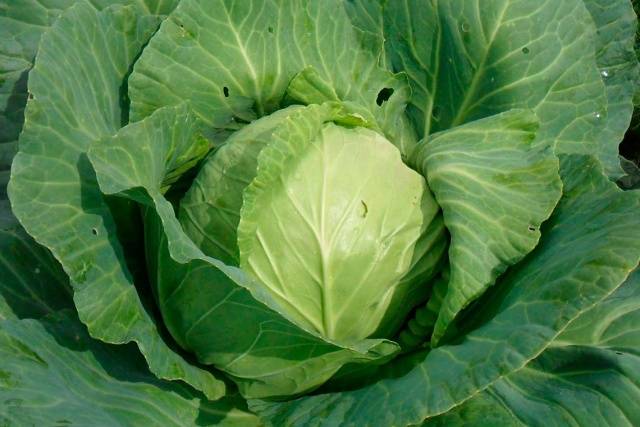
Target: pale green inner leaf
{"x": 325, "y": 233}
{"x": 210, "y": 210}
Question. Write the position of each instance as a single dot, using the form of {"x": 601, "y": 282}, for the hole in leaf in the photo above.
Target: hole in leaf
{"x": 365, "y": 209}
{"x": 384, "y": 95}
{"x": 526, "y": 50}
{"x": 94, "y": 231}
{"x": 225, "y": 91}
{"x": 270, "y": 29}
{"x": 532, "y": 228}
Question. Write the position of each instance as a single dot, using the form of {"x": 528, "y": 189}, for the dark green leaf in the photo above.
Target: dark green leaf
{"x": 76, "y": 100}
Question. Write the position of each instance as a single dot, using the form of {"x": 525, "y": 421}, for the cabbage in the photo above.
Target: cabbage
{"x": 318, "y": 213}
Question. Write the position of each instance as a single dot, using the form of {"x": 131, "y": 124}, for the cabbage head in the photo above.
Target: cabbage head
{"x": 318, "y": 213}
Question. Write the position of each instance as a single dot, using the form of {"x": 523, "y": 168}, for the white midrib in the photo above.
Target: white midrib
{"x": 327, "y": 320}
{"x": 434, "y": 78}
{"x": 247, "y": 60}
{"x": 473, "y": 87}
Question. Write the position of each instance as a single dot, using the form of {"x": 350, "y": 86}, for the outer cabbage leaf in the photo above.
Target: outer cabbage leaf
{"x": 616, "y": 57}
{"x": 246, "y": 332}
{"x": 631, "y": 181}
{"x": 22, "y": 23}
{"x": 495, "y": 188}
{"x": 612, "y": 324}
{"x": 388, "y": 118}
{"x": 588, "y": 376}
{"x": 471, "y": 59}
{"x": 51, "y": 371}
{"x": 234, "y": 61}
{"x": 571, "y": 270}
{"x": 32, "y": 284}
{"x": 367, "y": 16}
{"x": 76, "y": 100}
